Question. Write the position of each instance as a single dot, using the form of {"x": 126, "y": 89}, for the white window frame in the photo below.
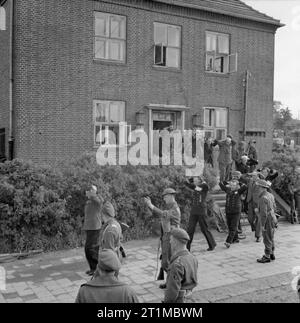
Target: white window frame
{"x": 2, "y": 18}
{"x": 123, "y": 127}
{"x": 166, "y": 46}
{"x": 214, "y": 127}
{"x": 108, "y": 39}
{"x": 215, "y": 55}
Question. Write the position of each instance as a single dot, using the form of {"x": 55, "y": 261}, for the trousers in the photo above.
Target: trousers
{"x": 91, "y": 248}
{"x": 199, "y": 217}
{"x": 232, "y": 223}
{"x": 268, "y": 237}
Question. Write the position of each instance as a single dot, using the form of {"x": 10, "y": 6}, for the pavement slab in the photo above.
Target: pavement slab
{"x": 224, "y": 275}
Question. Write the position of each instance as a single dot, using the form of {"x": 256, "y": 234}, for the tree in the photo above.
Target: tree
{"x": 281, "y": 116}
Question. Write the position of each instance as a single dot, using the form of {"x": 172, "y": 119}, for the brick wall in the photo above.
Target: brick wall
{"x": 4, "y": 73}
{"x": 57, "y": 78}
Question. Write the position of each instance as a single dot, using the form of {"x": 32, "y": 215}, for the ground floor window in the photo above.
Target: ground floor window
{"x": 216, "y": 122}
{"x": 109, "y": 115}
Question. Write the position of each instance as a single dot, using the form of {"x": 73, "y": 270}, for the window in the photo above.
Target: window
{"x": 110, "y": 37}
{"x": 167, "y": 45}
{"x": 218, "y": 59}
{"x": 2, "y": 18}
{"x": 110, "y": 115}
{"x": 215, "y": 122}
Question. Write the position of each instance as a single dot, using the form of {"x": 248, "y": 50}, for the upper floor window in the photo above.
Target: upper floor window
{"x": 109, "y": 123}
{"x": 218, "y": 57}
{"x": 110, "y": 37}
{"x": 167, "y": 45}
{"x": 215, "y": 122}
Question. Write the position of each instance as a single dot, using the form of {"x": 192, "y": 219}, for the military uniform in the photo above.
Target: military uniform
{"x": 105, "y": 286}
{"x": 182, "y": 276}
{"x": 170, "y": 219}
{"x": 268, "y": 221}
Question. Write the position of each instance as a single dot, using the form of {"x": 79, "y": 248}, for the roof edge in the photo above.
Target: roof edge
{"x": 270, "y": 21}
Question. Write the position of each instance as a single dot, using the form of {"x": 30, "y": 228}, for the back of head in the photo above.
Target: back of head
{"x": 108, "y": 261}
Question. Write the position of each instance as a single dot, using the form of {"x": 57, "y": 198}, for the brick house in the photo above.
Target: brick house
{"x": 70, "y": 68}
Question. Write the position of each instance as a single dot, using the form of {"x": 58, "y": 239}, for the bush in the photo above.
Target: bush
{"x": 285, "y": 161}
{"x": 43, "y": 207}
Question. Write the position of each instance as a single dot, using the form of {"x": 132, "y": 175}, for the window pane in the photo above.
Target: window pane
{"x": 211, "y": 41}
{"x": 101, "y": 25}
{"x": 221, "y": 118}
{"x": 209, "y": 62}
{"x": 116, "y": 50}
{"x": 220, "y": 134}
{"x": 117, "y": 27}
{"x": 219, "y": 64}
{"x": 173, "y": 36}
{"x": 117, "y": 112}
{"x": 223, "y": 44}
{"x": 100, "y": 46}
{"x": 173, "y": 57}
{"x": 102, "y": 112}
{"x": 160, "y": 34}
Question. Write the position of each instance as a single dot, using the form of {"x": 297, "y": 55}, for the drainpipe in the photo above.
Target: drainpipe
{"x": 245, "y": 84}
{"x": 11, "y": 80}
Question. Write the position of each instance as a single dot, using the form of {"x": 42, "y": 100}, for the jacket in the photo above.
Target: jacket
{"x": 266, "y": 207}
{"x": 111, "y": 236}
{"x": 92, "y": 215}
{"x": 170, "y": 217}
{"x": 106, "y": 289}
{"x": 199, "y": 203}
{"x": 252, "y": 193}
{"x": 233, "y": 198}
{"x": 181, "y": 277}
{"x": 225, "y": 151}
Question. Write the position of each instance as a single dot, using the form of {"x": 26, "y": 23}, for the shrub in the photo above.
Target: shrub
{"x": 43, "y": 207}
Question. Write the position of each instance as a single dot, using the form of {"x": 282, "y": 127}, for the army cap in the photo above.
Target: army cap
{"x": 108, "y": 260}
{"x": 108, "y": 209}
{"x": 236, "y": 173}
{"x": 180, "y": 235}
{"x": 263, "y": 183}
{"x": 168, "y": 191}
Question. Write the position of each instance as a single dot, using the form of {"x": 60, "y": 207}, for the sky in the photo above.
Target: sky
{"x": 287, "y": 50}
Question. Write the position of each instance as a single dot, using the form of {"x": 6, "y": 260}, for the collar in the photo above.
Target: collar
{"x": 178, "y": 254}
{"x": 105, "y": 280}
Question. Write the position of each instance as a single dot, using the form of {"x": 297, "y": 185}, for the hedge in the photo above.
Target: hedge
{"x": 43, "y": 206}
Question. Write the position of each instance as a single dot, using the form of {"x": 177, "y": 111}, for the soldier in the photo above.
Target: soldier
{"x": 111, "y": 233}
{"x": 182, "y": 276}
{"x": 92, "y": 225}
{"x": 105, "y": 286}
{"x": 199, "y": 211}
{"x": 268, "y": 220}
{"x": 170, "y": 219}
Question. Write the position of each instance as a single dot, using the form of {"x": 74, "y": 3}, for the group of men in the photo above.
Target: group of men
{"x": 104, "y": 253}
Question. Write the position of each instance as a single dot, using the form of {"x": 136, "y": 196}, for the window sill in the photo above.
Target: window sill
{"x": 217, "y": 74}
{"x": 167, "y": 69}
{"x": 108, "y": 62}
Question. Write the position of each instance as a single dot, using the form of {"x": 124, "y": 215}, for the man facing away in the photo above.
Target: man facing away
{"x": 92, "y": 225}
{"x": 199, "y": 211}
{"x": 225, "y": 157}
{"x": 105, "y": 286}
{"x": 170, "y": 219}
{"x": 111, "y": 232}
{"x": 182, "y": 276}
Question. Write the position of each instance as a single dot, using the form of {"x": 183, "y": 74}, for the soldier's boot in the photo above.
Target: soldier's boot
{"x": 264, "y": 259}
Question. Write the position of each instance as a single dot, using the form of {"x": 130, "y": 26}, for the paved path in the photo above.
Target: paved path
{"x": 225, "y": 275}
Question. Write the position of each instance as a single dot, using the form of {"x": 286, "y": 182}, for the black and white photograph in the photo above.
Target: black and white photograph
{"x": 150, "y": 154}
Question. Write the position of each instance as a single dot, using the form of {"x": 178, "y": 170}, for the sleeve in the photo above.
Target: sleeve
{"x": 175, "y": 278}
{"x": 242, "y": 189}
{"x": 79, "y": 296}
{"x": 190, "y": 185}
{"x": 223, "y": 187}
{"x": 263, "y": 211}
{"x": 110, "y": 238}
{"x": 173, "y": 214}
